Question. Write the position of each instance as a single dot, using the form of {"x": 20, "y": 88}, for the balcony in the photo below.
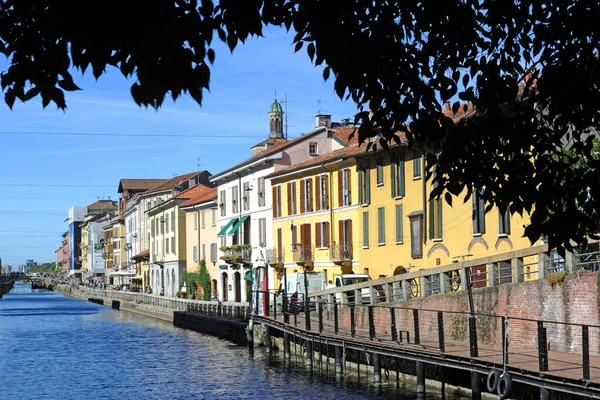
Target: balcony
{"x": 303, "y": 255}
{"x": 341, "y": 253}
{"x": 274, "y": 256}
{"x": 238, "y": 253}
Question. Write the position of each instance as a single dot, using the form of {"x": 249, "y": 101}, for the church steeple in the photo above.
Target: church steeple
{"x": 276, "y": 120}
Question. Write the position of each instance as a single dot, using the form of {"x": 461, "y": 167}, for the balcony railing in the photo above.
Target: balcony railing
{"x": 274, "y": 256}
{"x": 303, "y": 254}
{"x": 237, "y": 254}
{"x": 341, "y": 252}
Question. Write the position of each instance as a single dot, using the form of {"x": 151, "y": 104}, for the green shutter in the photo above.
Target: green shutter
{"x": 366, "y": 229}
{"x": 431, "y": 219}
{"x": 360, "y": 186}
{"x": 401, "y": 175}
{"x": 393, "y": 176}
{"x": 367, "y": 186}
{"x": 399, "y": 235}
{"x": 381, "y": 225}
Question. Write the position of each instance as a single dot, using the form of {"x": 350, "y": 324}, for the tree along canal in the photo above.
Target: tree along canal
{"x": 56, "y": 347}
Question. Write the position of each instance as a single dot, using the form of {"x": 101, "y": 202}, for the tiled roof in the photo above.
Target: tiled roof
{"x": 102, "y": 204}
{"x": 173, "y": 182}
{"x": 272, "y": 141}
{"x": 193, "y": 191}
{"x": 201, "y": 196}
{"x": 143, "y": 254}
{"x": 138, "y": 184}
{"x": 273, "y": 149}
{"x": 460, "y": 114}
{"x": 351, "y": 150}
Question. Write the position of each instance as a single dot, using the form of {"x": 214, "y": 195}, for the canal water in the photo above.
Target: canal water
{"x": 56, "y": 347}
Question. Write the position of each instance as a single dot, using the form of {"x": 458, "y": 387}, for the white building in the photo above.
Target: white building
{"x": 245, "y": 202}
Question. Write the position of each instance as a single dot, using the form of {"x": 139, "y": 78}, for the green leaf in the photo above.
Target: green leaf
{"x": 9, "y": 98}
{"x": 211, "y": 56}
{"x": 311, "y": 51}
{"x": 326, "y": 73}
{"x": 69, "y": 86}
{"x": 448, "y": 198}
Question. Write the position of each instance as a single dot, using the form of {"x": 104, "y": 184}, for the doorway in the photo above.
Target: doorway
{"x": 237, "y": 281}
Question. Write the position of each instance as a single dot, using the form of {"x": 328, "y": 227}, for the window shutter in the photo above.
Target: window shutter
{"x": 481, "y": 214}
{"x": 302, "y": 198}
{"x": 349, "y": 188}
{"x": 365, "y": 228}
{"x": 326, "y": 191}
{"x": 400, "y": 161}
{"x": 399, "y": 235}
{"x": 349, "y": 233}
{"x": 289, "y": 198}
{"x": 294, "y": 235}
{"x": 475, "y": 214}
{"x": 318, "y": 234}
{"x": 327, "y": 234}
{"x": 431, "y": 218}
{"x": 341, "y": 232}
{"x": 367, "y": 186}
{"x": 393, "y": 176}
{"x": 274, "y": 190}
{"x": 280, "y": 240}
{"x": 360, "y": 187}
{"x": 318, "y": 193}
{"x": 340, "y": 188}
{"x": 440, "y": 205}
{"x": 310, "y": 196}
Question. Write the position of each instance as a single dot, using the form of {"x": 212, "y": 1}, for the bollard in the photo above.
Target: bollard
{"x": 475, "y": 386}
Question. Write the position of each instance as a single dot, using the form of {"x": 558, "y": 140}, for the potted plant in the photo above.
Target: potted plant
{"x": 224, "y": 248}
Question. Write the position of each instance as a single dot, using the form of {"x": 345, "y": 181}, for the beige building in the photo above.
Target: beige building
{"x": 201, "y": 237}
{"x": 115, "y": 263}
{"x": 168, "y": 243}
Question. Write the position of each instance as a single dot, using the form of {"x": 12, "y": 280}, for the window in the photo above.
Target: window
{"x": 416, "y": 229}
{"x": 322, "y": 234}
{"x": 152, "y": 228}
{"x": 195, "y": 221}
{"x": 173, "y": 245}
{"x": 167, "y": 223}
{"x": 365, "y": 228}
{"x": 344, "y": 187}
{"x": 172, "y": 221}
{"x": 195, "y": 253}
{"x": 397, "y": 175}
{"x": 261, "y": 192}
{"x": 202, "y": 220}
{"x": 262, "y": 232}
{"x": 345, "y": 233}
{"x": 322, "y": 183}
{"x": 313, "y": 149}
{"x": 213, "y": 252}
{"x": 381, "y": 225}
{"x": 399, "y": 233}
{"x": 214, "y": 217}
{"x": 306, "y": 196}
{"x": 478, "y": 213}
{"x": 162, "y": 224}
{"x": 504, "y": 222}
{"x": 291, "y": 196}
{"x": 204, "y": 252}
{"x": 416, "y": 163}
{"x": 380, "y": 171}
{"x": 245, "y": 195}
{"x": 276, "y": 201}
{"x": 435, "y": 218}
{"x": 223, "y": 202}
{"x": 167, "y": 246}
{"x": 234, "y": 199}
{"x": 364, "y": 185}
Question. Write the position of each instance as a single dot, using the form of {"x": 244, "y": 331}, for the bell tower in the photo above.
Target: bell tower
{"x": 276, "y": 120}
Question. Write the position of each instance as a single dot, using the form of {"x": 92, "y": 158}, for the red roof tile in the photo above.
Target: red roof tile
{"x": 138, "y": 184}
{"x": 172, "y": 183}
{"x": 200, "y": 197}
{"x": 145, "y": 253}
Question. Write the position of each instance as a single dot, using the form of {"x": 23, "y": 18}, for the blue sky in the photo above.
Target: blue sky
{"x": 242, "y": 89}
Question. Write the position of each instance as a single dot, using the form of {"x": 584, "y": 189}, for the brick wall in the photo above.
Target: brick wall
{"x": 574, "y": 301}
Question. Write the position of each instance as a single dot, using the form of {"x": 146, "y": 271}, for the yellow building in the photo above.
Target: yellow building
{"x": 201, "y": 237}
{"x": 352, "y": 211}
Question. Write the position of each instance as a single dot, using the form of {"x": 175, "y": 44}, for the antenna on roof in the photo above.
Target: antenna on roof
{"x": 285, "y": 109}
{"x": 319, "y": 109}
{"x": 198, "y": 164}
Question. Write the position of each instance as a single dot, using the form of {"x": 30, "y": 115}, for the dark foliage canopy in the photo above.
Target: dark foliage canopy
{"x": 400, "y": 59}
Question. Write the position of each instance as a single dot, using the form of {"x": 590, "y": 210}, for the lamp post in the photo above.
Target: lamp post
{"x": 306, "y": 303}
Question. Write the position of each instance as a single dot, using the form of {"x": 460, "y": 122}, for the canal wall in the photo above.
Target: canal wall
{"x": 574, "y": 300}
{"x": 232, "y": 330}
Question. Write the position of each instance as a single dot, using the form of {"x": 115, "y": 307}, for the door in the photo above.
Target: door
{"x": 225, "y": 286}
{"x": 306, "y": 243}
{"x": 238, "y": 286}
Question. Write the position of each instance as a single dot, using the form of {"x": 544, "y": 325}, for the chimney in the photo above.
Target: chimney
{"x": 323, "y": 120}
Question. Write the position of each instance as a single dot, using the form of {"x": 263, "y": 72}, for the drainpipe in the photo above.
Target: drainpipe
{"x": 330, "y": 172}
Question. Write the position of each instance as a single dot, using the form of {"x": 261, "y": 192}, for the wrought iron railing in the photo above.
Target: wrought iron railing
{"x": 274, "y": 256}
{"x": 303, "y": 254}
{"x": 341, "y": 252}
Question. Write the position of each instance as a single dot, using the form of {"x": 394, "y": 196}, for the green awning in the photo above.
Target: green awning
{"x": 237, "y": 225}
{"x": 223, "y": 266}
{"x": 224, "y": 230}
{"x": 248, "y": 276}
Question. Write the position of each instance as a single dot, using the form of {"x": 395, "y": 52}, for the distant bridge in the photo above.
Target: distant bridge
{"x": 55, "y": 279}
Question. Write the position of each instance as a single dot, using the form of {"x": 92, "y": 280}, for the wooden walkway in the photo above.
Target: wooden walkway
{"x": 563, "y": 367}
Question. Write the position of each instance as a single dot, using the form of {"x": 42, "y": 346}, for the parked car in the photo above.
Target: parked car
{"x": 296, "y": 289}
{"x": 344, "y": 280}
